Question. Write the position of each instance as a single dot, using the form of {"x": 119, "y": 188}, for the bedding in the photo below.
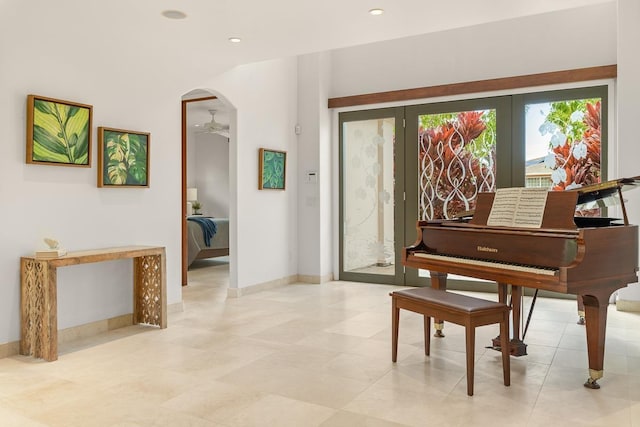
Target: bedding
{"x": 202, "y": 230}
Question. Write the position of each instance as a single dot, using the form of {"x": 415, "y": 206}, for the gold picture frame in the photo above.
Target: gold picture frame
{"x": 123, "y": 158}
{"x": 58, "y": 132}
{"x": 272, "y": 171}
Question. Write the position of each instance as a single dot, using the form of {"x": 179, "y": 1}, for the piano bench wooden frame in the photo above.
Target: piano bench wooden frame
{"x": 463, "y": 310}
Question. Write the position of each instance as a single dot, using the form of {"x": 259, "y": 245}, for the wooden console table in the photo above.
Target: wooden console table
{"x": 38, "y": 291}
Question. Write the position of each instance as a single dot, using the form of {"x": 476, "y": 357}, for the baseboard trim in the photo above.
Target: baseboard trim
{"x": 628, "y": 305}
{"x": 94, "y": 328}
{"x": 315, "y": 279}
{"x": 176, "y": 307}
{"x": 9, "y": 349}
{"x": 86, "y": 330}
{"x": 259, "y": 287}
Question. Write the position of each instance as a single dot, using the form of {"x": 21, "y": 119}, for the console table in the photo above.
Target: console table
{"x": 38, "y": 291}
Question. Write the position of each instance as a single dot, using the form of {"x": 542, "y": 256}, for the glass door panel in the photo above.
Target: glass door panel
{"x": 456, "y": 154}
{"x": 564, "y": 140}
{"x": 456, "y": 161}
{"x": 368, "y": 221}
{"x": 563, "y": 144}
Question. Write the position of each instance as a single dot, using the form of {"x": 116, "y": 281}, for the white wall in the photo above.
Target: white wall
{"x": 569, "y": 39}
{"x": 64, "y": 202}
{"x": 314, "y": 207}
{"x": 628, "y": 111}
{"x": 263, "y": 238}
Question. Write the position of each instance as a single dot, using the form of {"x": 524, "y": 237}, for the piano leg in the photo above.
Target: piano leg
{"x": 438, "y": 281}
{"x": 517, "y": 346}
{"x": 595, "y": 312}
{"x": 516, "y": 310}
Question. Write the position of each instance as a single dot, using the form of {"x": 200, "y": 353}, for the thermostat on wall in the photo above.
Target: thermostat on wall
{"x": 312, "y": 177}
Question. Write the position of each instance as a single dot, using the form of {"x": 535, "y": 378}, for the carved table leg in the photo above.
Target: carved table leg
{"x": 39, "y": 321}
{"x": 149, "y": 278}
{"x": 438, "y": 281}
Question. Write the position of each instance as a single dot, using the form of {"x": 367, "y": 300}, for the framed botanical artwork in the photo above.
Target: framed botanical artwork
{"x": 123, "y": 158}
{"x": 272, "y": 169}
{"x": 58, "y": 132}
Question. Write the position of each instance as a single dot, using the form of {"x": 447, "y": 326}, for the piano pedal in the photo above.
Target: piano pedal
{"x": 518, "y": 348}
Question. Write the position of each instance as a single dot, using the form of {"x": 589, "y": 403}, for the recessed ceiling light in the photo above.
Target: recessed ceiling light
{"x": 174, "y": 14}
{"x": 235, "y": 39}
{"x": 376, "y": 12}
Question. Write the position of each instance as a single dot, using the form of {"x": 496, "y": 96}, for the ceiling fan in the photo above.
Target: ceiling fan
{"x": 215, "y": 127}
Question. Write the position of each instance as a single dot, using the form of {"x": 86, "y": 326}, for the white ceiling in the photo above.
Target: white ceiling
{"x": 281, "y": 28}
{"x": 136, "y": 32}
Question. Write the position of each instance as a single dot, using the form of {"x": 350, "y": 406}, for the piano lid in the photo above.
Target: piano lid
{"x": 605, "y": 193}
{"x": 598, "y": 195}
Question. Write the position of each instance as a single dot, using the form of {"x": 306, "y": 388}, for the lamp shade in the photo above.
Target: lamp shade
{"x": 192, "y": 194}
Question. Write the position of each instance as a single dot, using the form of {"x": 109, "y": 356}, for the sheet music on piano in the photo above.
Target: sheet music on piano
{"x": 518, "y": 207}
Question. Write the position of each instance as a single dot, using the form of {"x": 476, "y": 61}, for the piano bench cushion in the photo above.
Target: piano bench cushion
{"x": 443, "y": 299}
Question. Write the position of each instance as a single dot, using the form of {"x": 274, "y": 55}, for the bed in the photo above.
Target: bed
{"x": 202, "y": 230}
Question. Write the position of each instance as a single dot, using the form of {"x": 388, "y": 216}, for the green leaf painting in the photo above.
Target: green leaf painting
{"x": 273, "y": 167}
{"x": 124, "y": 158}
{"x": 58, "y": 132}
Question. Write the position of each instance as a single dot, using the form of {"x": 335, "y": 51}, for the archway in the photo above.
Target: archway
{"x": 207, "y": 116}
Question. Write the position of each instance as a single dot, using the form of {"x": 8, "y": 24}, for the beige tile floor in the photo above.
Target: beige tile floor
{"x": 319, "y": 355}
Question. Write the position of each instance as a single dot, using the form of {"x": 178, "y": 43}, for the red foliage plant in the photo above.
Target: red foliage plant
{"x": 585, "y": 170}
{"x": 452, "y": 170}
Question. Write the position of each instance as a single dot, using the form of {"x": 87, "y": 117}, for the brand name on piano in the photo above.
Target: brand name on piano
{"x": 486, "y": 249}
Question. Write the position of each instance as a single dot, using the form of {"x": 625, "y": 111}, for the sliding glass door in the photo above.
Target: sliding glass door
{"x": 429, "y": 162}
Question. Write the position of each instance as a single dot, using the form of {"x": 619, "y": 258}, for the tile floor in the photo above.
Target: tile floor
{"x": 319, "y": 355}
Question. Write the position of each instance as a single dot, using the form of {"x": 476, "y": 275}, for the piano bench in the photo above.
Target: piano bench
{"x": 455, "y": 308}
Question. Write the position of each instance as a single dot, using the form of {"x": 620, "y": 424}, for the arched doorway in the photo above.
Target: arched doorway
{"x": 206, "y": 124}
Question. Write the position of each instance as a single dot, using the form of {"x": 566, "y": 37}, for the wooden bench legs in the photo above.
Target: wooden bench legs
{"x": 463, "y": 310}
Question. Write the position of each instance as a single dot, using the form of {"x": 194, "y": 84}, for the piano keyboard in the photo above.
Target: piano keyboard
{"x": 493, "y": 264}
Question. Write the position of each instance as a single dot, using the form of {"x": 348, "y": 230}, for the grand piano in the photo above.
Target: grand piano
{"x": 590, "y": 257}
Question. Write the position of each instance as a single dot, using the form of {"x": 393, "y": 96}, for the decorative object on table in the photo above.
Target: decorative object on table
{"x": 196, "y": 207}
{"x": 123, "y": 158}
{"x": 272, "y": 170}
{"x": 58, "y": 132}
{"x": 54, "y": 250}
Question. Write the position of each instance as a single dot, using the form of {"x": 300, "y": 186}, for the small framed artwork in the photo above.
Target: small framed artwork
{"x": 272, "y": 169}
{"x": 58, "y": 132}
{"x": 123, "y": 158}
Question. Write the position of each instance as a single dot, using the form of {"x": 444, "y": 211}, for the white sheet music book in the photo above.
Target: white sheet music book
{"x": 518, "y": 207}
